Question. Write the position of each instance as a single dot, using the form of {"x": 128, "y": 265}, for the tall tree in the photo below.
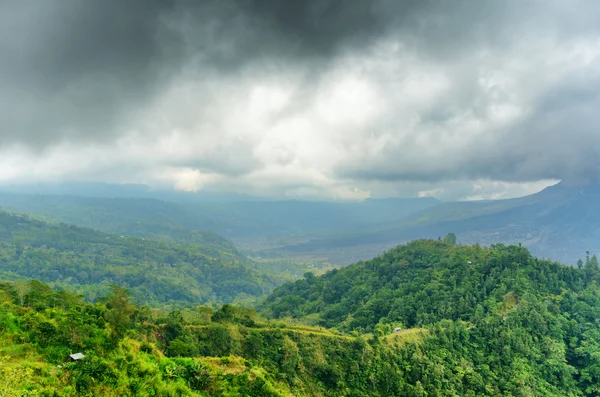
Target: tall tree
{"x": 120, "y": 310}
{"x": 450, "y": 238}
{"x": 22, "y": 287}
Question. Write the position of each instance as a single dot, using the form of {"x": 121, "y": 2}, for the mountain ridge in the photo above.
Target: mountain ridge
{"x": 561, "y": 222}
{"x": 156, "y": 272}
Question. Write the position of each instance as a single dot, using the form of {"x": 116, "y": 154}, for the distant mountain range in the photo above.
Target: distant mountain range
{"x": 561, "y": 222}
{"x": 274, "y": 223}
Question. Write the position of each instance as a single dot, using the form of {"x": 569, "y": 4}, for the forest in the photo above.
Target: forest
{"x": 155, "y": 272}
{"x": 475, "y": 321}
{"x": 425, "y": 281}
{"x": 310, "y": 198}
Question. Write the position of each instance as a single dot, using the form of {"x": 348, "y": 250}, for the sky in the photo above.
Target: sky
{"x": 311, "y": 99}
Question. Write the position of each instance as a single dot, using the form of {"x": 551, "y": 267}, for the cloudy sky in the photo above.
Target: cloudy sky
{"x": 317, "y": 99}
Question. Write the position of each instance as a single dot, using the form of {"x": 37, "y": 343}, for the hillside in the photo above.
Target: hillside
{"x": 142, "y": 217}
{"x": 88, "y": 261}
{"x": 257, "y": 226}
{"x": 561, "y": 222}
{"x": 420, "y": 283}
{"x": 523, "y": 327}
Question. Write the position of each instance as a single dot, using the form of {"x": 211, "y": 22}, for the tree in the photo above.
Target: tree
{"x": 19, "y": 246}
{"x": 309, "y": 277}
{"x": 591, "y": 267}
{"x": 450, "y": 238}
{"x": 120, "y": 311}
{"x": 224, "y": 314}
{"x": 22, "y": 287}
{"x": 592, "y": 264}
{"x": 175, "y": 325}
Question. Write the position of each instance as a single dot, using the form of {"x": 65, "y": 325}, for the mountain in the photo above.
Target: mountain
{"x": 260, "y": 226}
{"x": 88, "y": 261}
{"x": 419, "y": 283}
{"x": 142, "y": 217}
{"x": 425, "y": 319}
{"x": 561, "y": 222}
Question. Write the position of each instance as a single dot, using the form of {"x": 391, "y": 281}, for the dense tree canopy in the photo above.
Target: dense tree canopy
{"x": 423, "y": 282}
{"x": 156, "y": 272}
{"x": 476, "y": 322}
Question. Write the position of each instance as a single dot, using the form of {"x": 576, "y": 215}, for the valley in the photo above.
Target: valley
{"x": 473, "y": 321}
{"x": 315, "y": 198}
{"x": 561, "y": 222}
{"x": 158, "y": 302}
{"x": 318, "y": 303}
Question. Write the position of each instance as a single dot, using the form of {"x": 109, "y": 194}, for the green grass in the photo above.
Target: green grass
{"x": 411, "y": 335}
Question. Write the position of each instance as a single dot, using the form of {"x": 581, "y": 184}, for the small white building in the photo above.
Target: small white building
{"x": 76, "y": 356}
{"x": 397, "y": 329}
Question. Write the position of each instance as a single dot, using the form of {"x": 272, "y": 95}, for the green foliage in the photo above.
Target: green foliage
{"x": 490, "y": 322}
{"x": 35, "y": 345}
{"x": 450, "y": 238}
{"x": 421, "y": 283}
{"x": 264, "y": 228}
{"x": 119, "y": 312}
{"x": 154, "y": 272}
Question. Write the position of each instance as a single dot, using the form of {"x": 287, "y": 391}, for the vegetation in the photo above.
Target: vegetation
{"x": 290, "y": 267}
{"x": 475, "y": 322}
{"x": 155, "y": 272}
{"x": 423, "y": 282}
{"x": 149, "y": 217}
{"x": 559, "y": 222}
{"x": 497, "y": 313}
{"x": 37, "y": 337}
{"x": 262, "y": 228}
{"x": 138, "y": 217}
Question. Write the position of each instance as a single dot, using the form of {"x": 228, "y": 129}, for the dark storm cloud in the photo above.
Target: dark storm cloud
{"x": 320, "y": 28}
{"x": 91, "y": 73}
{"x": 73, "y": 69}
{"x": 557, "y": 138}
{"x": 80, "y": 69}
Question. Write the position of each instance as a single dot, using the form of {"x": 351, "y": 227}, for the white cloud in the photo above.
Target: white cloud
{"x": 508, "y": 112}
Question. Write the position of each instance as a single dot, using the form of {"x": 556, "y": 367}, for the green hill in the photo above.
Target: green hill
{"x": 257, "y": 226}
{"x": 420, "y": 283}
{"x": 141, "y": 217}
{"x": 561, "y": 222}
{"x": 88, "y": 261}
{"x": 505, "y": 324}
